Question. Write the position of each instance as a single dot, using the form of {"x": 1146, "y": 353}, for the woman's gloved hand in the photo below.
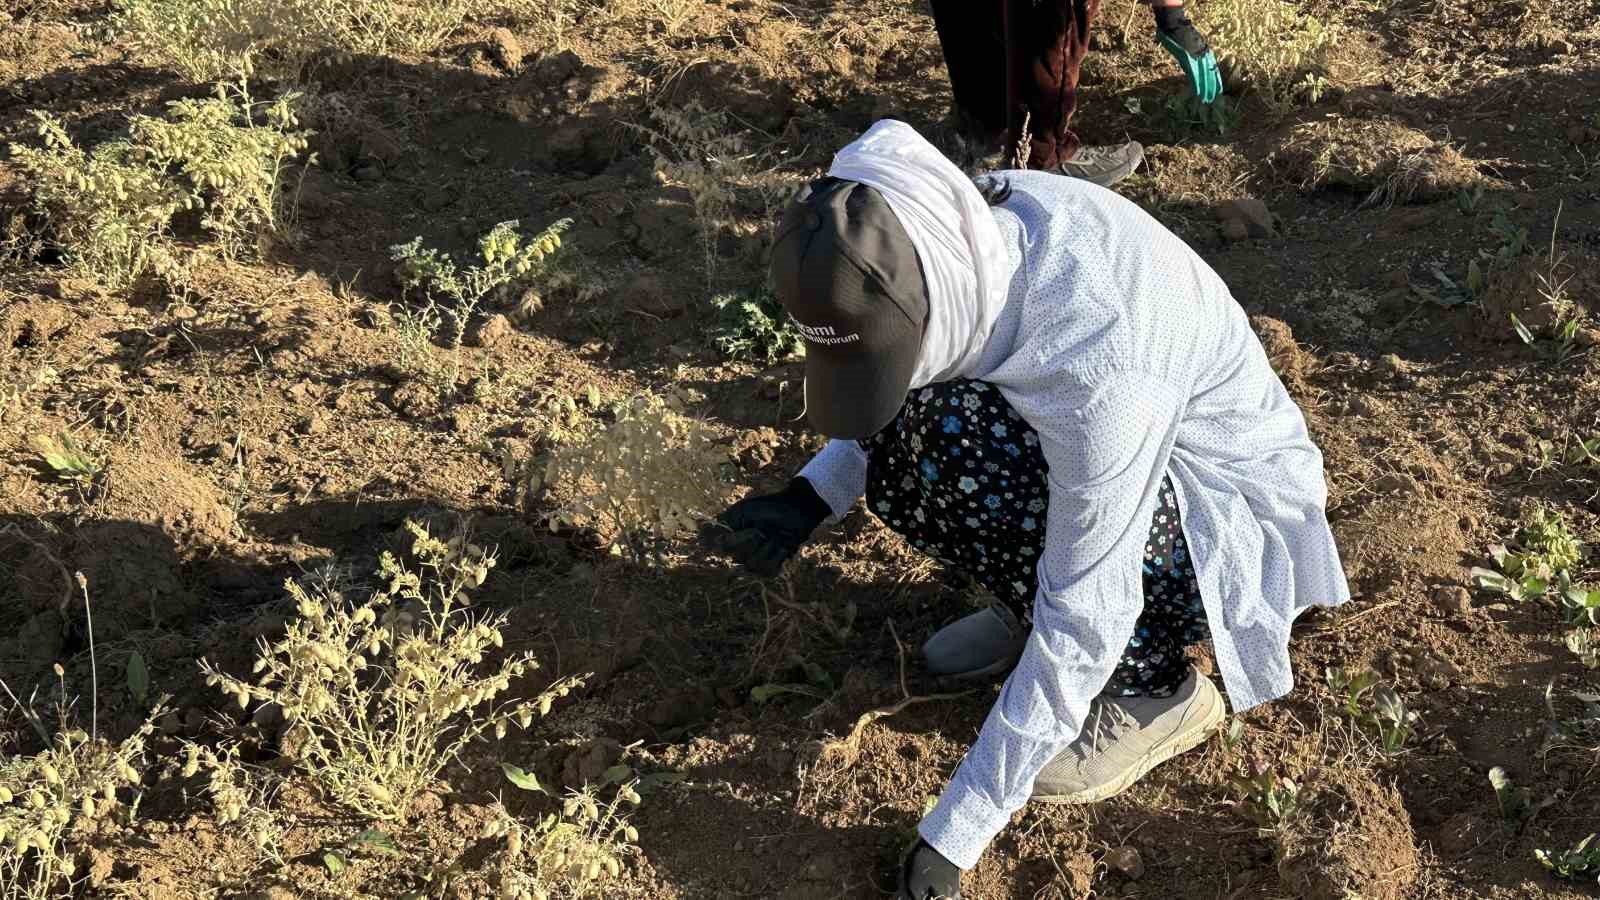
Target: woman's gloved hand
{"x": 762, "y": 533}
{"x": 1181, "y": 39}
{"x": 927, "y": 875}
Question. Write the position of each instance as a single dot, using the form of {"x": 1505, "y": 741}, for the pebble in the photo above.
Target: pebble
{"x": 1126, "y": 860}
{"x": 1452, "y": 600}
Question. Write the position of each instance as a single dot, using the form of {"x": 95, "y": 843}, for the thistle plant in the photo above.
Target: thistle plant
{"x": 751, "y": 325}
{"x": 45, "y": 797}
{"x": 379, "y": 696}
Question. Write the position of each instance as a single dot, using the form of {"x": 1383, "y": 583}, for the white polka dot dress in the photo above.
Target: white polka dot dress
{"x": 1129, "y": 357}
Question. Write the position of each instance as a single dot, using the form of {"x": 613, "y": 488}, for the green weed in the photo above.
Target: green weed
{"x": 752, "y": 326}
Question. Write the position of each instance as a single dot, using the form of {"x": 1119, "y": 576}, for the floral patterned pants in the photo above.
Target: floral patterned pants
{"x": 961, "y": 476}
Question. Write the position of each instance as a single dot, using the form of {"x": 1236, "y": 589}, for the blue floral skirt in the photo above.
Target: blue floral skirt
{"x": 961, "y": 476}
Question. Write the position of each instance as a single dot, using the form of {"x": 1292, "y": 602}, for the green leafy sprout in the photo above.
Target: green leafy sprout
{"x": 752, "y": 326}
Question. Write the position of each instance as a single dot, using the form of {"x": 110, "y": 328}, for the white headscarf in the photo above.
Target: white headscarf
{"x": 957, "y": 241}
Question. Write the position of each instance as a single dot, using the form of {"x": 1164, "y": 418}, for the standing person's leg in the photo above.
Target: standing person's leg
{"x": 974, "y": 49}
{"x": 1048, "y": 40}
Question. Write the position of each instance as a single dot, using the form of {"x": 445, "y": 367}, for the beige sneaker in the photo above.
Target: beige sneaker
{"x": 1104, "y": 165}
{"x": 1126, "y": 737}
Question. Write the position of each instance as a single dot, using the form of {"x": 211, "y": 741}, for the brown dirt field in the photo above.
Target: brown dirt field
{"x": 261, "y": 426}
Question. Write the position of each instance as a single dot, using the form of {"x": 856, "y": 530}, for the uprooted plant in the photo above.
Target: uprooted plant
{"x": 379, "y": 696}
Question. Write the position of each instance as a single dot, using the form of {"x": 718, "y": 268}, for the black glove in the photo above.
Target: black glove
{"x": 761, "y": 533}
{"x": 927, "y": 875}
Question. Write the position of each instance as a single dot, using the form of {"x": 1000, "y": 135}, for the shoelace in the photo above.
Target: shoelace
{"x": 1106, "y": 724}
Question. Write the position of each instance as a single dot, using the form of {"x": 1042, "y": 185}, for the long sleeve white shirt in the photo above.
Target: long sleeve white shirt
{"x": 1130, "y": 358}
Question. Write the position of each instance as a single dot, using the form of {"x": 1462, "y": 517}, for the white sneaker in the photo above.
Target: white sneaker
{"x": 1125, "y": 737}
{"x": 985, "y": 643}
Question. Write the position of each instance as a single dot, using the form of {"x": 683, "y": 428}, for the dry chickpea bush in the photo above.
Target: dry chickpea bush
{"x": 379, "y": 697}
{"x": 110, "y": 209}
{"x": 45, "y": 798}
{"x": 653, "y": 474}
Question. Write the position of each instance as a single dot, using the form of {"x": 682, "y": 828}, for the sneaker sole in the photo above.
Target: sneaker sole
{"x": 998, "y": 667}
{"x": 1198, "y": 733}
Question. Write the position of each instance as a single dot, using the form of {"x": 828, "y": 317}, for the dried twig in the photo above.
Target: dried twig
{"x": 1024, "y": 148}
{"x": 66, "y": 576}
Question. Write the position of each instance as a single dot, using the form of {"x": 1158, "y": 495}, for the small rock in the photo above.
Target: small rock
{"x": 492, "y": 331}
{"x": 1235, "y": 230}
{"x": 1126, "y": 860}
{"x": 505, "y": 49}
{"x": 1581, "y": 134}
{"x": 367, "y": 174}
{"x": 316, "y": 423}
{"x": 1394, "y": 366}
{"x": 183, "y": 311}
{"x": 557, "y": 68}
{"x": 426, "y": 804}
{"x": 1396, "y": 483}
{"x": 1256, "y": 219}
{"x": 1453, "y": 600}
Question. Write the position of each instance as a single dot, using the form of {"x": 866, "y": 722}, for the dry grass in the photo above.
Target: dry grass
{"x": 1382, "y": 159}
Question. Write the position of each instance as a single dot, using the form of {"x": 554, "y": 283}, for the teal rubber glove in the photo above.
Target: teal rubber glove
{"x": 1194, "y": 58}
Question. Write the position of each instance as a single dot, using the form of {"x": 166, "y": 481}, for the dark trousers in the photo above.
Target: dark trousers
{"x": 1018, "y": 59}
{"x": 963, "y": 478}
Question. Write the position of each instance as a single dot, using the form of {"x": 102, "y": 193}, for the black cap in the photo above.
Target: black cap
{"x": 846, "y": 272}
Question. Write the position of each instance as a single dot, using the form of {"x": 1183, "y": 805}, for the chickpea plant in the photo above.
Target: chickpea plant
{"x": 509, "y": 259}
{"x": 380, "y": 696}
{"x": 239, "y": 795}
{"x": 107, "y": 209}
{"x": 573, "y": 850}
{"x": 235, "y": 155}
{"x": 45, "y": 797}
{"x": 649, "y": 476}
{"x": 1271, "y": 47}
